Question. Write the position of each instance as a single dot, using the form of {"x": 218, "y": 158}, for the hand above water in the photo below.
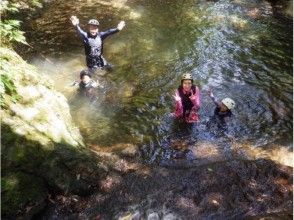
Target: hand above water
{"x": 177, "y": 97}
{"x": 121, "y": 25}
{"x": 74, "y": 20}
{"x": 95, "y": 84}
{"x": 192, "y": 96}
{"x": 209, "y": 92}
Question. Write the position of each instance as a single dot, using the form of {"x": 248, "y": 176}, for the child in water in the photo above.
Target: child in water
{"x": 187, "y": 99}
{"x": 223, "y": 109}
{"x": 87, "y": 86}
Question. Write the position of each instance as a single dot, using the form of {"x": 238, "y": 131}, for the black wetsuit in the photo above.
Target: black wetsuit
{"x": 222, "y": 115}
{"x": 219, "y": 116}
{"x": 94, "y": 47}
{"x": 87, "y": 89}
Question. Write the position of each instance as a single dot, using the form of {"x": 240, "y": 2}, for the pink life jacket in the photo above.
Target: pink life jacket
{"x": 187, "y": 108}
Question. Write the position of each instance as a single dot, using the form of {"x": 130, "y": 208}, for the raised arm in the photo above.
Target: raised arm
{"x": 195, "y": 98}
{"x": 109, "y": 32}
{"x": 75, "y": 21}
{"x": 216, "y": 102}
{"x": 82, "y": 33}
{"x": 179, "y": 107}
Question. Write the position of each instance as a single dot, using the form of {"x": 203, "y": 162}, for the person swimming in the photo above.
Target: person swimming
{"x": 187, "y": 99}
{"x": 87, "y": 85}
{"x": 222, "y": 111}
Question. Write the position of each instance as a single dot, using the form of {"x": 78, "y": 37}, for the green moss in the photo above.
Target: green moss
{"x": 8, "y": 88}
{"x": 20, "y": 190}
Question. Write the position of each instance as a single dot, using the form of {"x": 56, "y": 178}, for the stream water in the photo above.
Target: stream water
{"x": 238, "y": 48}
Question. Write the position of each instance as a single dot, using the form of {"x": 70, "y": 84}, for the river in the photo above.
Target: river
{"x": 237, "y": 48}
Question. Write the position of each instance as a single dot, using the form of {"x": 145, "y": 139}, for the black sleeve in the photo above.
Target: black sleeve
{"x": 82, "y": 33}
{"x": 107, "y": 33}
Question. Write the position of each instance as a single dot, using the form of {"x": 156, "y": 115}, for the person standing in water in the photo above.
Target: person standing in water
{"x": 93, "y": 42}
{"x": 187, "y": 99}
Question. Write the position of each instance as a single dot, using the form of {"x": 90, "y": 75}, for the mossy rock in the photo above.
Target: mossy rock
{"x": 23, "y": 195}
{"x": 38, "y": 135}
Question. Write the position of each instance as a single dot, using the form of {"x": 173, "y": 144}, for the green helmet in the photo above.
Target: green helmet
{"x": 93, "y": 22}
{"x": 229, "y": 103}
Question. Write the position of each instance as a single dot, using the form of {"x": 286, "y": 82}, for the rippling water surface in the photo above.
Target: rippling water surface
{"x": 238, "y": 48}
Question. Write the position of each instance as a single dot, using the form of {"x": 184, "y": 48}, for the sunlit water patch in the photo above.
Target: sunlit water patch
{"x": 236, "y": 48}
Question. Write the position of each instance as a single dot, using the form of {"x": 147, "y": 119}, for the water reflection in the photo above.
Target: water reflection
{"x": 236, "y": 48}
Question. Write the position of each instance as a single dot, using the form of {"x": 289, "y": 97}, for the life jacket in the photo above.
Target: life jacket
{"x": 186, "y": 102}
{"x": 93, "y": 46}
{"x": 222, "y": 115}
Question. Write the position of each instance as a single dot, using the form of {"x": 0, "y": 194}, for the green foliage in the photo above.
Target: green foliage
{"x": 8, "y": 7}
{"x": 10, "y": 28}
{"x": 7, "y": 87}
{"x": 13, "y": 6}
{"x": 9, "y": 31}
{"x": 34, "y": 3}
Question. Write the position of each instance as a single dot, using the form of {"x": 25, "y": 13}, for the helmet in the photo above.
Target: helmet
{"x": 229, "y": 103}
{"x": 187, "y": 76}
{"x": 94, "y": 22}
{"x": 85, "y": 73}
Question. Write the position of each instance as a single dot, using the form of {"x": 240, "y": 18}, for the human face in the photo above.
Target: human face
{"x": 93, "y": 29}
{"x": 187, "y": 85}
{"x": 86, "y": 79}
{"x": 223, "y": 108}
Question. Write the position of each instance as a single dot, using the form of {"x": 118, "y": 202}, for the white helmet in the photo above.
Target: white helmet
{"x": 229, "y": 103}
{"x": 187, "y": 76}
{"x": 93, "y": 22}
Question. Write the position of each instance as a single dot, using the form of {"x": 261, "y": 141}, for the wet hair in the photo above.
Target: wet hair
{"x": 84, "y": 73}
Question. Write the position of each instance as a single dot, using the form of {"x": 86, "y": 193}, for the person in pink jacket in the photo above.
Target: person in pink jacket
{"x": 187, "y": 99}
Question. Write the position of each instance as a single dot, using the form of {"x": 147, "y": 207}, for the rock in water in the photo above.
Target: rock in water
{"x": 38, "y": 138}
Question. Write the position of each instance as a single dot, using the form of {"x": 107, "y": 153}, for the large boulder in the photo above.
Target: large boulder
{"x": 39, "y": 140}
